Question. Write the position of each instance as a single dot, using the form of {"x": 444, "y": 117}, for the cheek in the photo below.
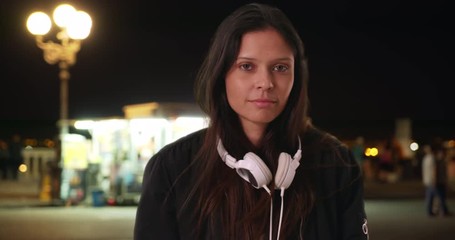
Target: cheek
{"x": 233, "y": 88}
{"x": 289, "y": 90}
{"x": 286, "y": 88}
{"x": 232, "y": 93}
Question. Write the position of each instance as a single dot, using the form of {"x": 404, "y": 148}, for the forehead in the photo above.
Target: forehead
{"x": 263, "y": 42}
{"x": 265, "y": 34}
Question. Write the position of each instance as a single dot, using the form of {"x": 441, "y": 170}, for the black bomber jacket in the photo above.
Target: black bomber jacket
{"x": 338, "y": 212}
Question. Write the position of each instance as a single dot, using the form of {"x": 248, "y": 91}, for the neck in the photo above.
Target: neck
{"x": 254, "y": 133}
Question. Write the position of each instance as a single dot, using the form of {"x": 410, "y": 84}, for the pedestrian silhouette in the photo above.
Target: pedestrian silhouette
{"x": 434, "y": 177}
{"x": 4, "y": 159}
{"x": 441, "y": 181}
{"x": 15, "y": 156}
{"x": 358, "y": 150}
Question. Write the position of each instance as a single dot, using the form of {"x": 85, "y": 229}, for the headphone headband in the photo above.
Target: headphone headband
{"x": 231, "y": 161}
{"x": 228, "y": 159}
{"x": 252, "y": 169}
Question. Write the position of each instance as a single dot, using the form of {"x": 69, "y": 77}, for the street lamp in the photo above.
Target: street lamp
{"x": 74, "y": 26}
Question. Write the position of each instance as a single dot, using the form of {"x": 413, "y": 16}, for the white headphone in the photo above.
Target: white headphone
{"x": 255, "y": 171}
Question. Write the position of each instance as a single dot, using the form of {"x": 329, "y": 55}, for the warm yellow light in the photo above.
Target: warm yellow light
{"x": 79, "y": 27}
{"x": 371, "y": 152}
{"x": 22, "y": 168}
{"x": 49, "y": 143}
{"x": 39, "y": 23}
{"x": 63, "y": 15}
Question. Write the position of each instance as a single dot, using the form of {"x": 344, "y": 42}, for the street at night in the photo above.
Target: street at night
{"x": 83, "y": 115}
{"x": 387, "y": 220}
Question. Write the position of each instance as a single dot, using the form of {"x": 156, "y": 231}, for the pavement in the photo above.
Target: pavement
{"x": 27, "y": 192}
{"x": 23, "y": 193}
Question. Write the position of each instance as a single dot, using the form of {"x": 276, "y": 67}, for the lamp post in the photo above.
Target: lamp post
{"x": 74, "y": 26}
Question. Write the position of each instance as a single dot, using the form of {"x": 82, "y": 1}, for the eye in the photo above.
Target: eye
{"x": 246, "y": 66}
{"x": 280, "y": 68}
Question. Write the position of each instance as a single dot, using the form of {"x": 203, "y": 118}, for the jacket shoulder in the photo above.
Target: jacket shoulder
{"x": 319, "y": 145}
{"x": 177, "y": 155}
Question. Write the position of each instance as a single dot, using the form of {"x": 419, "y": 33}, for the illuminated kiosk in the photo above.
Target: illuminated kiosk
{"x": 121, "y": 147}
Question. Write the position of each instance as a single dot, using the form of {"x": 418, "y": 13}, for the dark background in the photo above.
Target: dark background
{"x": 370, "y": 62}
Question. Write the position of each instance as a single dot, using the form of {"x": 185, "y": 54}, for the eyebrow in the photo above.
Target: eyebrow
{"x": 278, "y": 59}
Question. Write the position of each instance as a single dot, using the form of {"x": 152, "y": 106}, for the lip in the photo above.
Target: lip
{"x": 263, "y": 102}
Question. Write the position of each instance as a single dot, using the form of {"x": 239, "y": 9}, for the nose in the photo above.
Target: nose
{"x": 264, "y": 79}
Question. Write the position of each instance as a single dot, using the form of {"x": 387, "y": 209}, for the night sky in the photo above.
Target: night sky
{"x": 370, "y": 62}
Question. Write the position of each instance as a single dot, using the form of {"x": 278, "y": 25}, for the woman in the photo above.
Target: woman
{"x": 220, "y": 182}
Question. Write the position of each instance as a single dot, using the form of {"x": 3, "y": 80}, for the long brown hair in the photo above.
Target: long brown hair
{"x": 220, "y": 195}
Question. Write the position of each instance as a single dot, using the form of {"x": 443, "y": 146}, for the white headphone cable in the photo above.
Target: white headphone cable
{"x": 281, "y": 214}
{"x": 271, "y": 210}
{"x": 271, "y": 213}
{"x": 271, "y": 218}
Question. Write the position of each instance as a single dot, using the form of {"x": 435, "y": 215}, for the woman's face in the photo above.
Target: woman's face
{"x": 259, "y": 82}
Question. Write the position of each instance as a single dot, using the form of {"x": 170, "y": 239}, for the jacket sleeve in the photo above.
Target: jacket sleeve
{"x": 156, "y": 213}
{"x": 354, "y": 224}
{"x": 338, "y": 213}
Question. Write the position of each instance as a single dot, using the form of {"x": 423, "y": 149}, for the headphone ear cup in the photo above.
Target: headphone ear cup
{"x": 285, "y": 172}
{"x": 254, "y": 170}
